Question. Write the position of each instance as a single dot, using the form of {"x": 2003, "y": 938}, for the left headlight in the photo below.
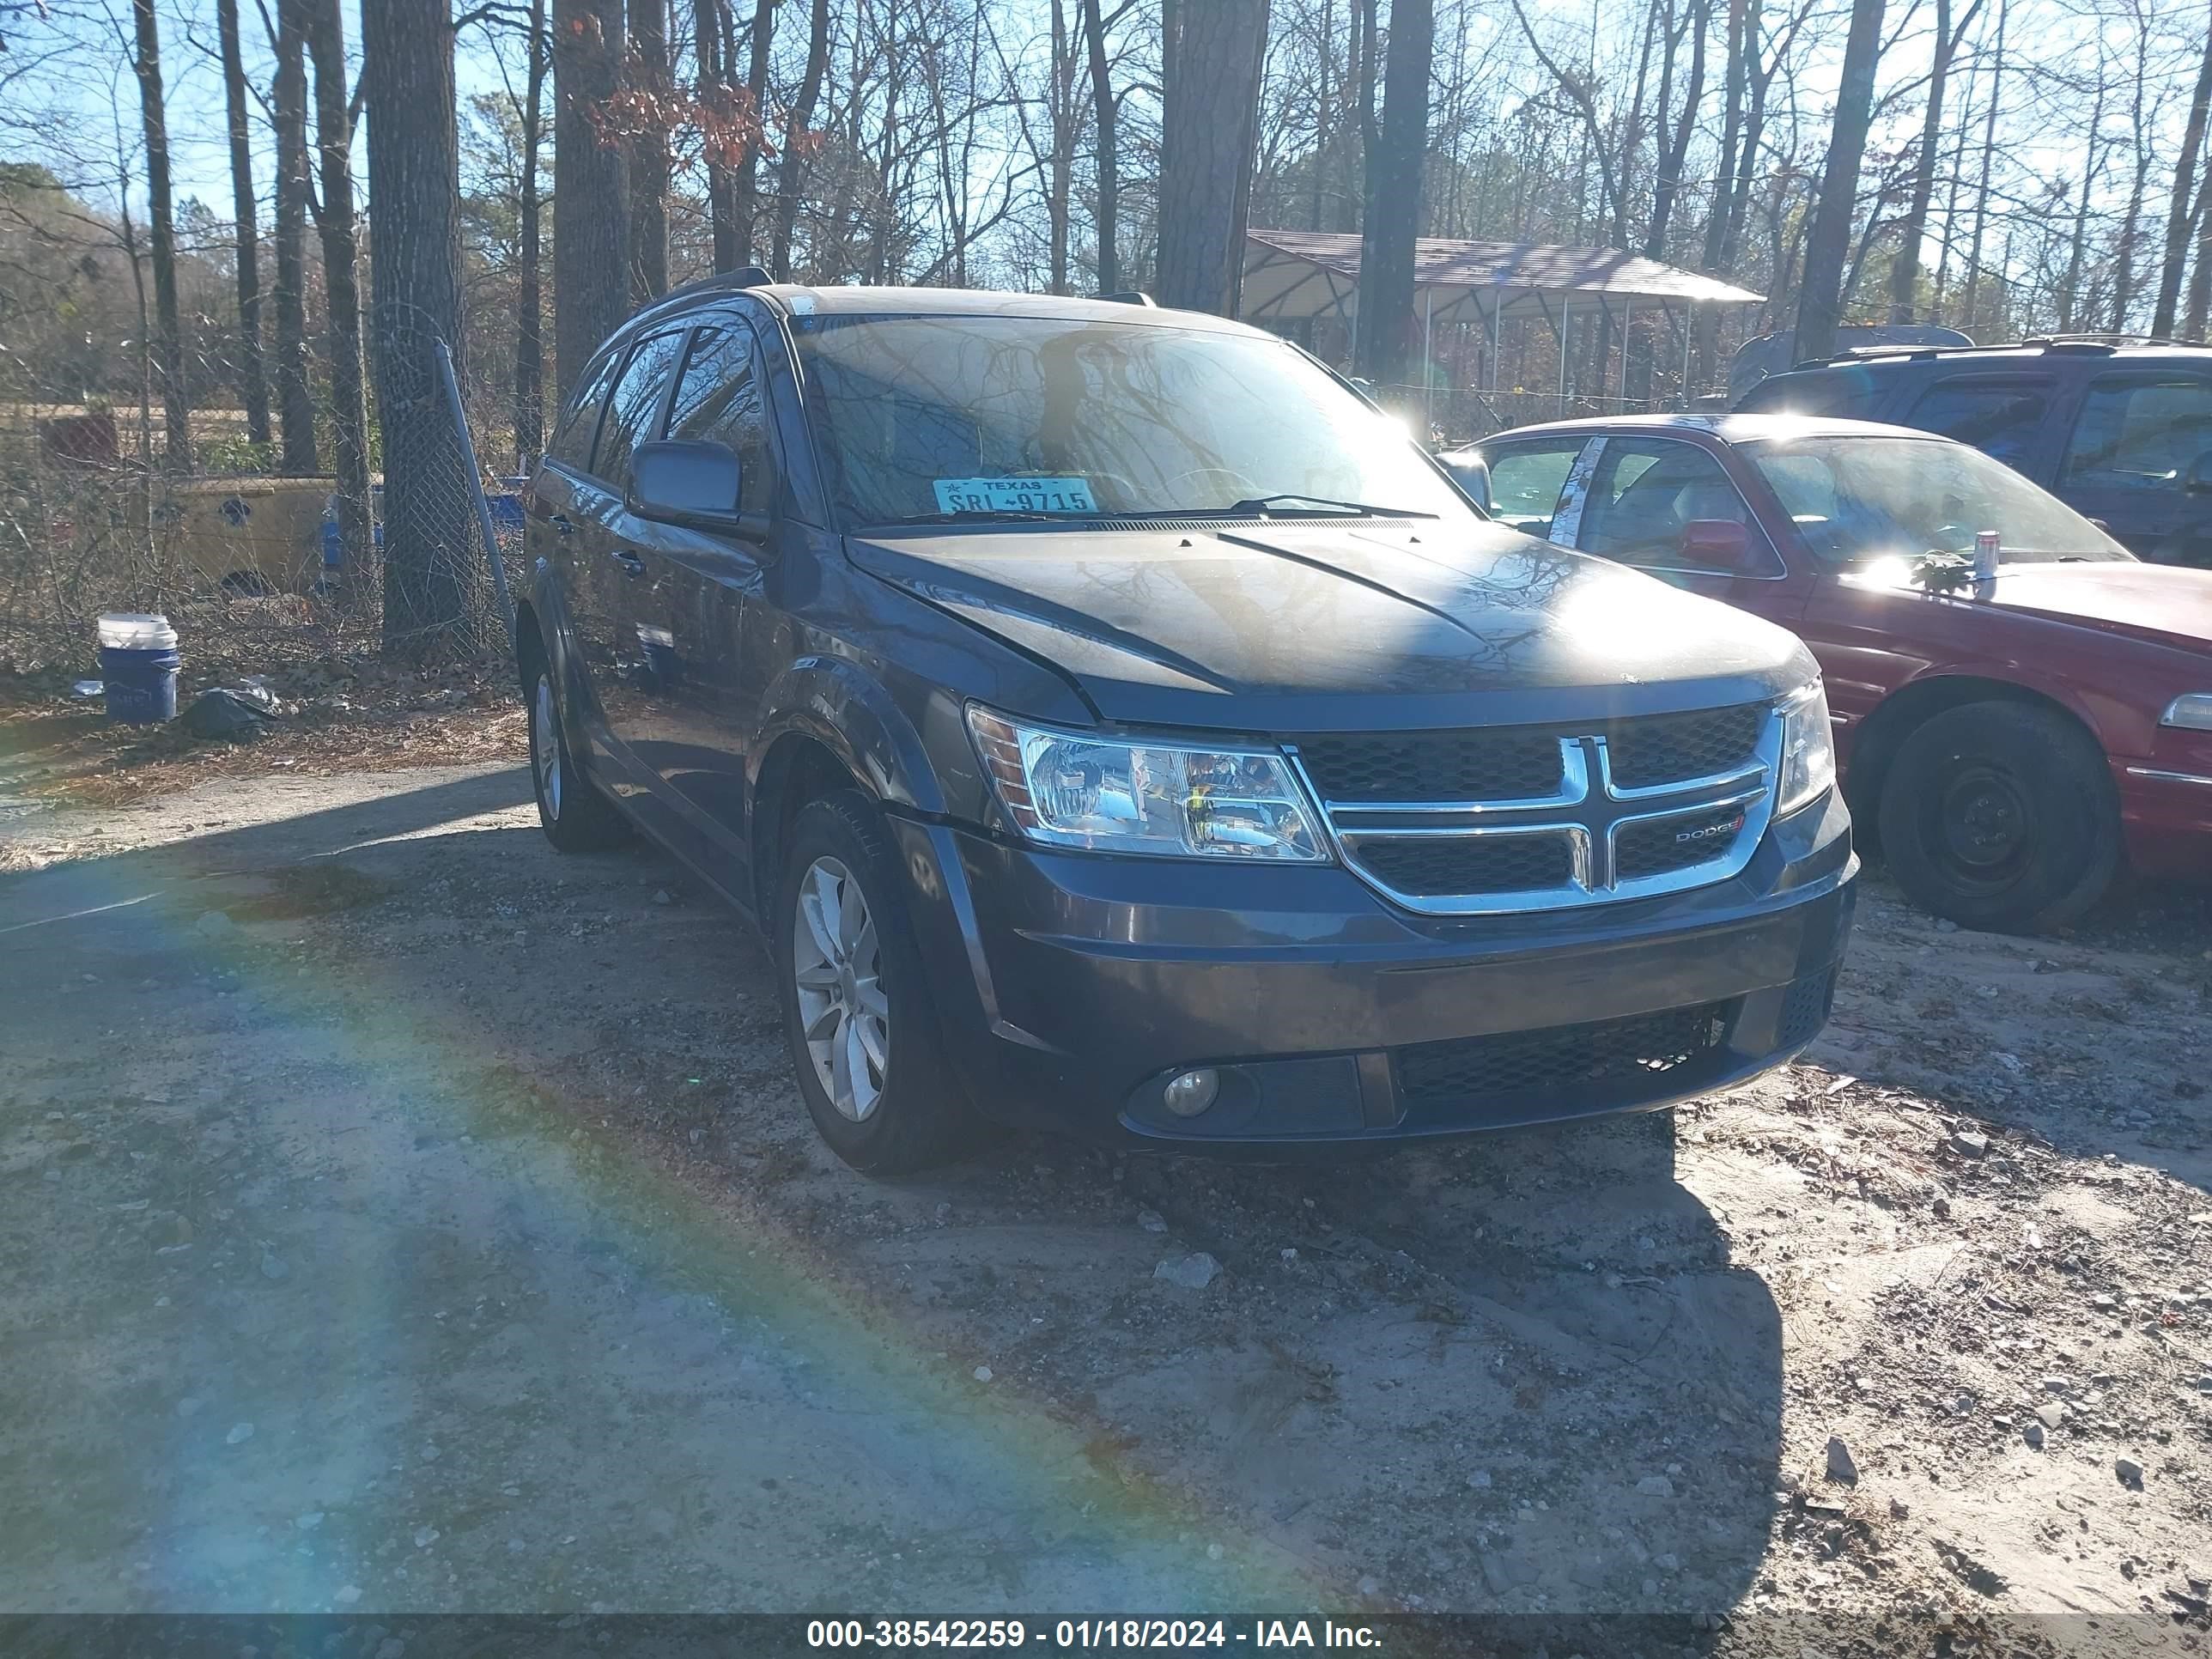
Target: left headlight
{"x": 1125, "y": 795}
{"x": 1808, "y": 749}
{"x": 2192, "y": 713}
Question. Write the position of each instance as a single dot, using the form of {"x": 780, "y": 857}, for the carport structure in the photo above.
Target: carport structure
{"x": 1292, "y": 276}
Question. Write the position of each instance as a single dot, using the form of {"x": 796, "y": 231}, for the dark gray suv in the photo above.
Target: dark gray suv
{"x": 1116, "y": 725}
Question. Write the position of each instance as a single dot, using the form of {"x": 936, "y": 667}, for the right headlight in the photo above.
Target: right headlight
{"x": 1126, "y": 793}
{"x": 1808, "y": 749}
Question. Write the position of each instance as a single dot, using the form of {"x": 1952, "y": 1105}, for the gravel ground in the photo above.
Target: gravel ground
{"x": 396, "y": 1216}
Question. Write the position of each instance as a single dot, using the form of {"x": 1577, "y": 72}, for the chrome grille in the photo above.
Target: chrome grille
{"x": 1525, "y": 818}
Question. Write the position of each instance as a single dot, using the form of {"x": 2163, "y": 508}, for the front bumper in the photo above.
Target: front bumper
{"x": 1071, "y": 986}
{"x": 2165, "y": 805}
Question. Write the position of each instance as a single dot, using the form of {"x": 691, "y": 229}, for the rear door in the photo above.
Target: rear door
{"x": 2134, "y": 437}
{"x": 692, "y": 716}
{"x": 606, "y": 565}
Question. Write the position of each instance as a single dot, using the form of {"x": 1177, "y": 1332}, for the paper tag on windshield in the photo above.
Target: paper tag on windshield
{"x": 1015, "y": 496}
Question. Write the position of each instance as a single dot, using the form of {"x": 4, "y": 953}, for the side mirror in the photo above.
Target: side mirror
{"x": 1716, "y": 544}
{"x": 2197, "y": 481}
{"x": 677, "y": 481}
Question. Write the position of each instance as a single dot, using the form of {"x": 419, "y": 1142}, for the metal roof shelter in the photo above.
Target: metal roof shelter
{"x": 1294, "y": 275}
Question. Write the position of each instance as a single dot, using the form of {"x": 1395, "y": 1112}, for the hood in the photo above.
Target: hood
{"x": 2162, "y": 603}
{"x": 1290, "y": 627}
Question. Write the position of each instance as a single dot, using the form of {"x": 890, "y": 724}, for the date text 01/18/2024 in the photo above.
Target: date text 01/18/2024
{"x": 1088, "y": 1634}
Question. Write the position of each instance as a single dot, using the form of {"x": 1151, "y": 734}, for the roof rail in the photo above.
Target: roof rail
{"x": 750, "y": 276}
{"x": 1131, "y": 296}
{"x": 2102, "y": 345}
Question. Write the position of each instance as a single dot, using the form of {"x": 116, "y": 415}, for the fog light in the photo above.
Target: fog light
{"x": 1192, "y": 1092}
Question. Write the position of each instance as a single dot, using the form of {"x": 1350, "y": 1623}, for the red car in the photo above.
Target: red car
{"x": 2008, "y": 745}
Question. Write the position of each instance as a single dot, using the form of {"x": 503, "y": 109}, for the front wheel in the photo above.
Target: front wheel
{"x": 2001, "y": 816}
{"x": 857, "y": 1010}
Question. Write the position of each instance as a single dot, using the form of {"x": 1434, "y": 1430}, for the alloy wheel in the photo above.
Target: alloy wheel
{"x": 842, "y": 1008}
{"x": 545, "y": 745}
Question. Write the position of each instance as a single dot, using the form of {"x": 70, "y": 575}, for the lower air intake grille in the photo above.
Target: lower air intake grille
{"x": 1806, "y": 1009}
{"x": 1561, "y": 1057}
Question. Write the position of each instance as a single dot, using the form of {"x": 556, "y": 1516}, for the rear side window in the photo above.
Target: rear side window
{"x": 632, "y": 408}
{"x": 1525, "y": 481}
{"x": 1999, "y": 417}
{"x": 720, "y": 399}
{"x": 2139, "y": 435}
{"x": 1842, "y": 394}
{"x": 572, "y": 441}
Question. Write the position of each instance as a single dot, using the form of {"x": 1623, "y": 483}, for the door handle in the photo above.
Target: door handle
{"x": 559, "y": 523}
{"x": 631, "y": 565}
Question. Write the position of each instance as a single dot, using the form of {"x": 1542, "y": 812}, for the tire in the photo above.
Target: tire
{"x": 2002, "y": 817}
{"x": 575, "y": 817}
{"x": 887, "y": 1104}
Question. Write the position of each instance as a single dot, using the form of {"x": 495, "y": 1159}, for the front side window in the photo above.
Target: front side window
{"x": 2140, "y": 434}
{"x": 1647, "y": 492}
{"x": 719, "y": 399}
{"x": 631, "y": 409}
{"x": 1999, "y": 417}
{"x": 924, "y": 418}
{"x": 1858, "y": 499}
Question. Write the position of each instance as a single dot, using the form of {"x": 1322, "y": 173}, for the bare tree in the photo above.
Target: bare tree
{"x": 161, "y": 236}
{"x": 789, "y": 171}
{"x": 414, "y": 178}
{"x": 1104, "y": 116}
{"x": 1211, "y": 104}
{"x": 648, "y": 153}
{"x": 530, "y": 327}
{"x": 1905, "y": 269}
{"x": 745, "y": 192}
{"x": 591, "y": 255}
{"x": 1820, "y": 305}
{"x": 2182, "y": 213}
{"x": 252, "y": 379}
{"x": 1394, "y": 197}
{"x": 296, "y": 407}
{"x": 348, "y": 399}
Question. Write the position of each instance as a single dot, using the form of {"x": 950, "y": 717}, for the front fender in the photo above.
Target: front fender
{"x": 853, "y": 715}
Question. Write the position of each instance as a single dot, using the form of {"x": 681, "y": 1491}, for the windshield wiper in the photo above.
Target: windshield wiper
{"x": 985, "y": 515}
{"x": 1316, "y": 507}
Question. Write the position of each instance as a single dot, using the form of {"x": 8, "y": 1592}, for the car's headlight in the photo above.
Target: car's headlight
{"x": 1808, "y": 748}
{"x": 1118, "y": 795}
{"x": 2191, "y": 714}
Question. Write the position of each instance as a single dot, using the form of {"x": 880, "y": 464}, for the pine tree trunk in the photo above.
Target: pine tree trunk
{"x": 708, "y": 45}
{"x": 1988, "y": 153}
{"x": 1060, "y": 181}
{"x": 1384, "y": 341}
{"x": 1105, "y": 118}
{"x": 326, "y": 32}
{"x": 789, "y": 169}
{"x": 162, "y": 235}
{"x": 2180, "y": 217}
{"x": 591, "y": 255}
{"x": 295, "y": 404}
{"x": 530, "y": 327}
{"x": 252, "y": 377}
{"x": 1207, "y": 142}
{"x": 648, "y": 159}
{"x": 1820, "y": 304}
{"x": 414, "y": 179}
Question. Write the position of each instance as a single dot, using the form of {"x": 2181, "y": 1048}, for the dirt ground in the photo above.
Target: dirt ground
{"x": 397, "y": 1216}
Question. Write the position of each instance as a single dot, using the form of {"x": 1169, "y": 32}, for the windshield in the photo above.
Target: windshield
{"x": 1857, "y": 498}
{"x": 930, "y": 417}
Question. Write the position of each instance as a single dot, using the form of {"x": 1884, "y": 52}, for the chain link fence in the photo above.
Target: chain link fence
{"x": 257, "y": 570}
